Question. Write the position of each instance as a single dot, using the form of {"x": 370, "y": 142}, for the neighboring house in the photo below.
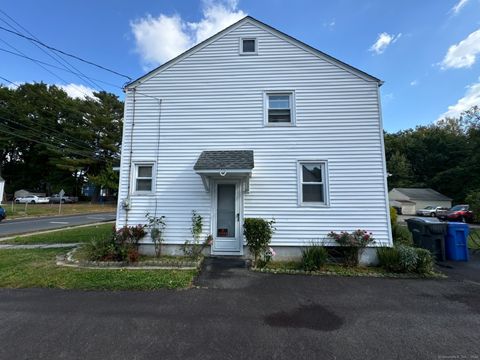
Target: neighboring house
{"x": 411, "y": 199}
{"x": 23, "y": 193}
{"x": 254, "y": 123}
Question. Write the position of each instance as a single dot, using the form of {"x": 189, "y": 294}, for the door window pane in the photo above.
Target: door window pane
{"x": 226, "y": 210}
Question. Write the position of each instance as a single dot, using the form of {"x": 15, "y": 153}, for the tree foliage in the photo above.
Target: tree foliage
{"x": 50, "y": 141}
{"x": 444, "y": 156}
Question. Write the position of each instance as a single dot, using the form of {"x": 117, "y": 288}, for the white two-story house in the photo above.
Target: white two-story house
{"x": 254, "y": 123}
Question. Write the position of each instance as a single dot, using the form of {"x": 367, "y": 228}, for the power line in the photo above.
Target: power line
{"x": 56, "y": 67}
{"x": 81, "y": 76}
{"x": 68, "y": 137}
{"x": 54, "y": 146}
{"x": 43, "y": 67}
{"x": 11, "y": 82}
{"x": 65, "y": 53}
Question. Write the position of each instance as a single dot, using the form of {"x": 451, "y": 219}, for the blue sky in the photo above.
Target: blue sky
{"x": 427, "y": 52}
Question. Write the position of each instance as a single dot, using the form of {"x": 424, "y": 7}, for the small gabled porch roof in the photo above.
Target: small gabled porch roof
{"x": 225, "y": 163}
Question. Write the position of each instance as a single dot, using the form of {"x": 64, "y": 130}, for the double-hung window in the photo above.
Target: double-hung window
{"x": 279, "y": 108}
{"x": 312, "y": 189}
{"x": 144, "y": 178}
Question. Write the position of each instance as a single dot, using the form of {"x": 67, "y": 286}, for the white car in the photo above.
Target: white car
{"x": 429, "y": 211}
{"x": 32, "y": 199}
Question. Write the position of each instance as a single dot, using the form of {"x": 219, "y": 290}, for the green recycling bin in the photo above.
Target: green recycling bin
{"x": 429, "y": 233}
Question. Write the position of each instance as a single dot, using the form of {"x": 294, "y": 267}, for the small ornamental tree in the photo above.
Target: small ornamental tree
{"x": 157, "y": 227}
{"x": 258, "y": 233}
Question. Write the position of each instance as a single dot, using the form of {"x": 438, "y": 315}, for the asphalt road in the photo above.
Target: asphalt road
{"x": 20, "y": 226}
{"x": 236, "y": 314}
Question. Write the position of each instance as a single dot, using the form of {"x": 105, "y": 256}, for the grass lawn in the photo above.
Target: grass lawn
{"x": 77, "y": 235}
{"x": 20, "y": 210}
{"x": 37, "y": 268}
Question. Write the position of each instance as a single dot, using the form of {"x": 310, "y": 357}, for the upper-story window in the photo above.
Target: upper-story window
{"x": 279, "y": 108}
{"x": 248, "y": 46}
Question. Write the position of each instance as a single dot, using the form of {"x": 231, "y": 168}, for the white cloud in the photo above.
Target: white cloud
{"x": 471, "y": 98}
{"x": 459, "y": 6}
{"x": 463, "y": 54}
{"x": 414, "y": 83}
{"x": 77, "y": 91}
{"x": 159, "y": 39}
{"x": 383, "y": 41}
{"x": 329, "y": 24}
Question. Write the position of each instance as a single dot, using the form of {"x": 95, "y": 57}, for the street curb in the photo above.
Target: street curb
{"x": 53, "y": 230}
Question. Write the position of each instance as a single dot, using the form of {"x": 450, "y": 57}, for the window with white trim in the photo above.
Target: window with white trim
{"x": 248, "y": 46}
{"x": 143, "y": 178}
{"x": 279, "y": 108}
{"x": 312, "y": 188}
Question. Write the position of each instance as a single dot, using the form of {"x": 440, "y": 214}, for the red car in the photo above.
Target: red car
{"x": 460, "y": 213}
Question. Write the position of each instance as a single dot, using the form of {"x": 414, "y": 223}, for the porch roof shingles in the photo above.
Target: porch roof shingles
{"x": 225, "y": 160}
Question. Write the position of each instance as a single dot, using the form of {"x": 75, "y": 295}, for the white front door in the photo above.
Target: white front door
{"x": 227, "y": 218}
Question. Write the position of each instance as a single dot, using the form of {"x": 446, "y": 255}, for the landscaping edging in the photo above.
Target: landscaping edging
{"x": 359, "y": 274}
{"x": 158, "y": 264}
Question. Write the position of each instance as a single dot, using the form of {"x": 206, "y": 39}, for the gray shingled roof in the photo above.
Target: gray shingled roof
{"x": 225, "y": 159}
{"x": 423, "y": 194}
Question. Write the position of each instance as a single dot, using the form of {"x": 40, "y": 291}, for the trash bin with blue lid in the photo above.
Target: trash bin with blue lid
{"x": 456, "y": 241}
{"x": 429, "y": 233}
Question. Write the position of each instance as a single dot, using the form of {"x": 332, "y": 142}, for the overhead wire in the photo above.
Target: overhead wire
{"x": 66, "y": 64}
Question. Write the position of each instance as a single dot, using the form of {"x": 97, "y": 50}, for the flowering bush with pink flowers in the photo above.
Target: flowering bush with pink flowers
{"x": 354, "y": 244}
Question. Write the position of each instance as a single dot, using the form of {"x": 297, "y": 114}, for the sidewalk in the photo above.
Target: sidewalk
{"x": 37, "y": 246}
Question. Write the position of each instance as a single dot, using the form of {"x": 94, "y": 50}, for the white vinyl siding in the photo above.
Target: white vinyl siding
{"x": 213, "y": 99}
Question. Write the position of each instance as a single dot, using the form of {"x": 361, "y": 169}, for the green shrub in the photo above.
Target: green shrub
{"x": 473, "y": 199}
{"x": 389, "y": 259}
{"x": 424, "y": 262}
{"x": 258, "y": 233}
{"x": 121, "y": 246}
{"x": 408, "y": 258}
{"x": 393, "y": 216}
{"x": 314, "y": 257}
{"x": 100, "y": 249}
{"x": 405, "y": 259}
{"x": 401, "y": 235}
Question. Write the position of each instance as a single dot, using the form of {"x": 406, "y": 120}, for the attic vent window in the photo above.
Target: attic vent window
{"x": 248, "y": 46}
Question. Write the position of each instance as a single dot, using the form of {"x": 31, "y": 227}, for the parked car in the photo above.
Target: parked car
{"x": 430, "y": 211}
{"x": 3, "y": 213}
{"x": 460, "y": 213}
{"x": 32, "y": 199}
{"x": 55, "y": 199}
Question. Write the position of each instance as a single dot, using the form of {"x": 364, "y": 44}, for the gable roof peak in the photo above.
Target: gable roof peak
{"x": 268, "y": 28}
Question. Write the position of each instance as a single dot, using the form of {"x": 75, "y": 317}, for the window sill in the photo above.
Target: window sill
{"x": 142, "y": 193}
{"x": 313, "y": 205}
{"x": 248, "y": 53}
{"x": 279, "y": 125}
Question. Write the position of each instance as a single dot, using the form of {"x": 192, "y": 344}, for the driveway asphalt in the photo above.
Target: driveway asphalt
{"x": 27, "y": 225}
{"x": 233, "y": 313}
